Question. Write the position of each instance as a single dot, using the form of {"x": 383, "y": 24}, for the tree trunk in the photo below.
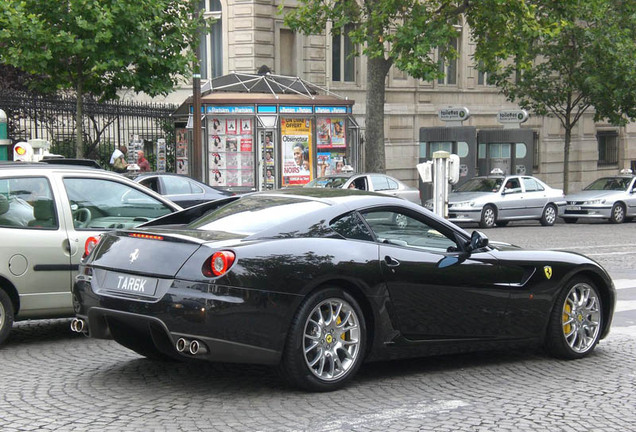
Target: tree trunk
{"x": 566, "y": 156}
{"x": 377, "y": 70}
{"x": 79, "y": 124}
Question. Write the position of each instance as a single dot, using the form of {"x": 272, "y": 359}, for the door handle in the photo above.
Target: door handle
{"x": 391, "y": 262}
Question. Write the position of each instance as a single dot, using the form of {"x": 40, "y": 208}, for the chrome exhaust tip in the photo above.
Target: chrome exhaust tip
{"x": 182, "y": 344}
{"x": 77, "y": 325}
{"x": 194, "y": 347}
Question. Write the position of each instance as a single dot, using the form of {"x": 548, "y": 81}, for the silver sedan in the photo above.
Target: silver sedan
{"x": 612, "y": 198}
{"x": 381, "y": 183}
{"x": 497, "y": 200}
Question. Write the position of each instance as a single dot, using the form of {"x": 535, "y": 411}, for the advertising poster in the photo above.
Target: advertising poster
{"x": 246, "y": 126}
{"x": 296, "y": 151}
{"x": 231, "y": 146}
{"x": 182, "y": 151}
{"x": 230, "y": 126}
{"x": 330, "y": 133}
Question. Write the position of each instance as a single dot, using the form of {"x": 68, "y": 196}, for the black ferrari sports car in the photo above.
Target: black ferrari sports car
{"x": 317, "y": 281}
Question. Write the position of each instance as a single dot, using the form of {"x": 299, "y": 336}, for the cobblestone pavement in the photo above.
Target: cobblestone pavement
{"x": 53, "y": 379}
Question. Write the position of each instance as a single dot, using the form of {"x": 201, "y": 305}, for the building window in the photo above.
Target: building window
{"x": 343, "y": 56}
{"x": 211, "y": 41}
{"x": 607, "y": 148}
{"x": 448, "y": 66}
{"x": 483, "y": 77}
{"x": 288, "y": 53}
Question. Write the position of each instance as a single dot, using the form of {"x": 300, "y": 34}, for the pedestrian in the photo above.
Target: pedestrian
{"x": 118, "y": 159}
{"x": 144, "y": 165}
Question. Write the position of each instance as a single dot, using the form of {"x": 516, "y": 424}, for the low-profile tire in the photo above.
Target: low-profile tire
{"x": 576, "y": 320}
{"x": 618, "y": 213}
{"x": 549, "y": 215}
{"x": 6, "y": 316}
{"x": 502, "y": 223}
{"x": 488, "y": 216}
{"x": 326, "y": 342}
{"x": 570, "y": 220}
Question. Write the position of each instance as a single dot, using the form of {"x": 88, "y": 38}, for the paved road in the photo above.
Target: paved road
{"x": 52, "y": 379}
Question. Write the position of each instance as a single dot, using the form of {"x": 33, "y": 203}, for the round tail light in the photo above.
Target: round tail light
{"x": 219, "y": 263}
{"x": 90, "y": 244}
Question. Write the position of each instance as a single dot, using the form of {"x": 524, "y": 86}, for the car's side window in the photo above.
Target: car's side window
{"x": 176, "y": 185}
{"x": 27, "y": 202}
{"x": 102, "y": 204}
{"x": 350, "y": 226}
{"x": 150, "y": 183}
{"x": 393, "y": 185}
{"x": 512, "y": 185}
{"x": 397, "y": 228}
{"x": 379, "y": 183}
{"x": 531, "y": 185}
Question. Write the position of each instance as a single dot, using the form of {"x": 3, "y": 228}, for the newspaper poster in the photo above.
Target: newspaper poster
{"x": 296, "y": 151}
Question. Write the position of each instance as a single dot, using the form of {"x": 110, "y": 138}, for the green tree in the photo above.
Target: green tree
{"x": 406, "y": 33}
{"x": 97, "y": 47}
{"x": 590, "y": 64}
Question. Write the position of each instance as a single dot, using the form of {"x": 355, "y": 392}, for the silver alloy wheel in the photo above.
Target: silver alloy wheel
{"x": 618, "y": 213}
{"x": 488, "y": 218}
{"x": 581, "y": 317}
{"x": 3, "y": 314}
{"x": 550, "y": 215}
{"x": 331, "y": 339}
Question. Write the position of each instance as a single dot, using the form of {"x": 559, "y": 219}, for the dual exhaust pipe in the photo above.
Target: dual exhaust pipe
{"x": 78, "y": 325}
{"x": 193, "y": 346}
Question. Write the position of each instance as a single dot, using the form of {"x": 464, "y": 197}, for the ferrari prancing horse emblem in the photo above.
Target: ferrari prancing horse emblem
{"x": 548, "y": 271}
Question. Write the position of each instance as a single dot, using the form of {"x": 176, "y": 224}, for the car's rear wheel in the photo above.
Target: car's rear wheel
{"x": 575, "y": 323}
{"x": 618, "y": 213}
{"x": 488, "y": 217}
{"x": 326, "y": 342}
{"x": 570, "y": 220}
{"x": 6, "y": 315}
{"x": 549, "y": 215}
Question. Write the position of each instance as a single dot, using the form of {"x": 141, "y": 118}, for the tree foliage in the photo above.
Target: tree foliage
{"x": 98, "y": 47}
{"x": 589, "y": 64}
{"x": 406, "y": 33}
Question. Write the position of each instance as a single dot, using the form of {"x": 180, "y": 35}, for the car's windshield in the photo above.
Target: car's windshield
{"x": 250, "y": 215}
{"x": 610, "y": 183}
{"x": 482, "y": 184}
{"x": 328, "y": 182}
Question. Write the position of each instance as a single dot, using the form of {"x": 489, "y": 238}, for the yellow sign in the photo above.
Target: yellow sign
{"x": 548, "y": 271}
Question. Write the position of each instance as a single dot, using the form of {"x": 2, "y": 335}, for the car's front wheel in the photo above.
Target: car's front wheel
{"x": 6, "y": 315}
{"x": 488, "y": 217}
{"x": 575, "y": 323}
{"x": 326, "y": 342}
{"x": 549, "y": 215}
{"x": 618, "y": 213}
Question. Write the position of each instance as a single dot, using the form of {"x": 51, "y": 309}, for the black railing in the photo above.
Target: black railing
{"x": 106, "y": 125}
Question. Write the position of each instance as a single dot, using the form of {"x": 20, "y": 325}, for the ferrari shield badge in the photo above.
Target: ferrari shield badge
{"x": 548, "y": 271}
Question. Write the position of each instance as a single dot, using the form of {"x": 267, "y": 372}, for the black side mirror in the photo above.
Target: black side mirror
{"x": 478, "y": 240}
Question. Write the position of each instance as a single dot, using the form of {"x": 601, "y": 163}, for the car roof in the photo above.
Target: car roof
{"x": 49, "y": 166}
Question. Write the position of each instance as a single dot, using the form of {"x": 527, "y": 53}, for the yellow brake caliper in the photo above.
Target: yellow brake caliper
{"x": 567, "y": 328}
{"x": 338, "y": 321}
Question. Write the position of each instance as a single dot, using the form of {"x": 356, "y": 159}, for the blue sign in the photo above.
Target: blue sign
{"x": 266, "y": 109}
{"x": 331, "y": 109}
{"x": 216, "y": 109}
{"x": 296, "y": 110}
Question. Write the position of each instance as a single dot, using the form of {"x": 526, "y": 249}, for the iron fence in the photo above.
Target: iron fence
{"x": 106, "y": 125}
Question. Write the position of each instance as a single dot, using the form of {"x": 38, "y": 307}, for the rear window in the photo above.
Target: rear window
{"x": 250, "y": 215}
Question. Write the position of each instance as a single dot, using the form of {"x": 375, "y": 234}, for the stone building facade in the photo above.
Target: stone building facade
{"x": 251, "y": 33}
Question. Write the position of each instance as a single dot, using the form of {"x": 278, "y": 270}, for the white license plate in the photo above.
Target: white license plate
{"x": 131, "y": 284}
{"x": 573, "y": 208}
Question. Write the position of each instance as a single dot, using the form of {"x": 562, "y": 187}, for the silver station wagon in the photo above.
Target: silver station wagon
{"x": 612, "y": 198}
{"x": 47, "y": 213}
{"x": 498, "y": 199}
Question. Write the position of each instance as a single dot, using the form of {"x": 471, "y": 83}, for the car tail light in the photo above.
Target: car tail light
{"x": 219, "y": 263}
{"x": 146, "y": 236}
{"x": 90, "y": 244}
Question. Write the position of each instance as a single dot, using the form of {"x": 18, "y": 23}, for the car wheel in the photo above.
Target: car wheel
{"x": 618, "y": 213}
{"x": 6, "y": 315}
{"x": 570, "y": 220}
{"x": 575, "y": 323}
{"x": 488, "y": 217}
{"x": 502, "y": 223}
{"x": 326, "y": 342}
{"x": 549, "y": 215}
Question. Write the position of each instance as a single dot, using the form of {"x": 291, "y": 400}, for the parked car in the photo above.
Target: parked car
{"x": 497, "y": 199}
{"x": 181, "y": 189}
{"x": 47, "y": 212}
{"x": 317, "y": 281}
{"x": 381, "y": 183}
{"x": 612, "y": 198}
